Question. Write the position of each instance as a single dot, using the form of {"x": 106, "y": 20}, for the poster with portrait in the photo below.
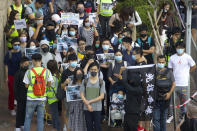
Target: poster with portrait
{"x": 73, "y": 93}
{"x": 70, "y": 18}
{"x": 92, "y": 18}
{"x": 29, "y": 52}
{"x": 105, "y": 58}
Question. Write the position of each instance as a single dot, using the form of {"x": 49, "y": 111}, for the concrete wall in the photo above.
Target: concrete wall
{"x": 3, "y": 18}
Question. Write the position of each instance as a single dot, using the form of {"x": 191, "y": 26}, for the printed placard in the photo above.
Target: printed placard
{"x": 73, "y": 93}
{"x": 20, "y": 24}
{"x": 70, "y": 18}
{"x": 29, "y": 52}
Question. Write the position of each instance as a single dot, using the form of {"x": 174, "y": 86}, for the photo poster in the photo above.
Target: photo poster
{"x": 20, "y": 24}
{"x": 92, "y": 18}
{"x": 105, "y": 58}
{"x": 61, "y": 45}
{"x": 29, "y": 52}
{"x": 70, "y": 18}
{"x": 69, "y": 41}
{"x": 73, "y": 93}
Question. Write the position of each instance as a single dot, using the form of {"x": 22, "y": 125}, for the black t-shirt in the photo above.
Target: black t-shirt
{"x": 145, "y": 45}
{"x": 66, "y": 73}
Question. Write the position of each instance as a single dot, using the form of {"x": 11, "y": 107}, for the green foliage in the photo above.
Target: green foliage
{"x": 142, "y": 7}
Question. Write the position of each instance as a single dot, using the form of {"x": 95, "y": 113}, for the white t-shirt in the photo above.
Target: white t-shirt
{"x": 181, "y": 68}
{"x": 27, "y": 81}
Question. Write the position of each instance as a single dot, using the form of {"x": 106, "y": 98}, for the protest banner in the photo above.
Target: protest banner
{"x": 20, "y": 24}
{"x": 148, "y": 77}
{"x": 29, "y": 52}
{"x": 73, "y": 93}
{"x": 70, "y": 18}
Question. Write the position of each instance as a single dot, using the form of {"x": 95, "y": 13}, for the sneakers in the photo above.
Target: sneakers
{"x": 13, "y": 112}
{"x": 49, "y": 122}
{"x": 140, "y": 128}
{"x": 169, "y": 119}
{"x": 17, "y": 129}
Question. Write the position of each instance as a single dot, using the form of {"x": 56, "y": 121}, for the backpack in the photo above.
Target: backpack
{"x": 100, "y": 84}
{"x": 113, "y": 64}
{"x": 39, "y": 85}
{"x": 141, "y": 44}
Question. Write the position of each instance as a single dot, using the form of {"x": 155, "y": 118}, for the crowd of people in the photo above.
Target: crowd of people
{"x": 87, "y": 81}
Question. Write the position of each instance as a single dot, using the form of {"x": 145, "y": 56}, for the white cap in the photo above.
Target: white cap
{"x": 44, "y": 42}
{"x": 55, "y": 17}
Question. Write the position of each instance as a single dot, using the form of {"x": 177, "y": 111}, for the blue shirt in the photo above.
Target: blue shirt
{"x": 128, "y": 58}
{"x": 13, "y": 62}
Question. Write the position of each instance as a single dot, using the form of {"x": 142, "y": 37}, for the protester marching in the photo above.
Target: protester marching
{"x": 78, "y": 64}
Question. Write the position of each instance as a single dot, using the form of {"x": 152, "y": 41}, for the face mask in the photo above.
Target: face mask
{"x": 89, "y": 56}
{"x": 93, "y": 74}
{"x": 120, "y": 40}
{"x": 58, "y": 22}
{"x": 45, "y": 50}
{"x": 16, "y": 47}
{"x": 32, "y": 47}
{"x": 23, "y": 39}
{"x": 143, "y": 35}
{"x": 97, "y": 45}
{"x": 73, "y": 64}
{"x": 80, "y": 10}
{"x": 25, "y": 67}
{"x": 165, "y": 10}
{"x": 50, "y": 34}
{"x": 87, "y": 24}
{"x": 118, "y": 58}
{"x": 79, "y": 76}
{"x": 160, "y": 65}
{"x": 72, "y": 33}
{"x": 65, "y": 26}
{"x": 133, "y": 57}
{"x": 180, "y": 51}
{"x": 54, "y": 46}
{"x": 119, "y": 96}
{"x": 123, "y": 47}
{"x": 105, "y": 47}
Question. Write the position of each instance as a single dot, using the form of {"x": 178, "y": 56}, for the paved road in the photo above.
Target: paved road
{"x": 7, "y": 122}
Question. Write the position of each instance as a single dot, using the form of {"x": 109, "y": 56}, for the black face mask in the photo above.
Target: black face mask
{"x": 93, "y": 74}
{"x": 79, "y": 76}
{"x": 45, "y": 50}
{"x": 143, "y": 35}
{"x": 25, "y": 68}
{"x": 51, "y": 35}
{"x": 80, "y": 11}
{"x": 90, "y": 56}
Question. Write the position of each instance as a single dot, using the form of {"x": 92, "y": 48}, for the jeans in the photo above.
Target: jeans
{"x": 55, "y": 115}
{"x": 181, "y": 93}
{"x": 159, "y": 115}
{"x": 31, "y": 106}
{"x": 104, "y": 21}
{"x": 93, "y": 120}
